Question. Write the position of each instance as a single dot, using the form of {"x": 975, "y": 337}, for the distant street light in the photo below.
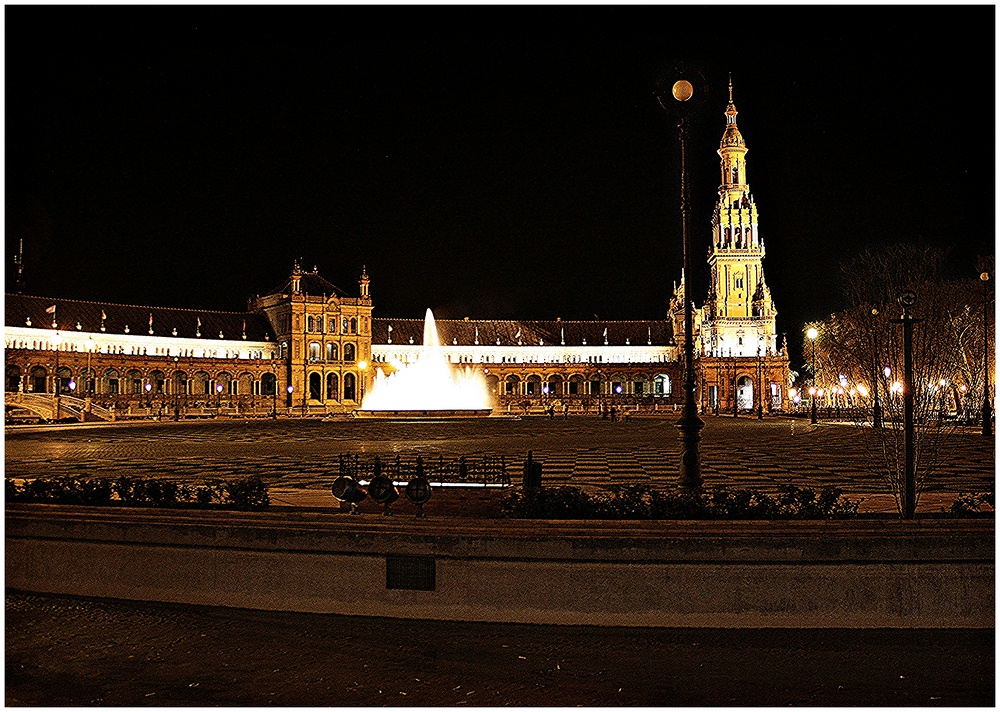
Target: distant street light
{"x": 363, "y": 376}
{"x": 987, "y": 408}
{"x": 876, "y": 409}
{"x": 812, "y": 333}
{"x": 56, "y": 340}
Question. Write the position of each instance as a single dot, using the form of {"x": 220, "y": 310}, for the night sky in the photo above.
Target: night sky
{"x": 490, "y": 162}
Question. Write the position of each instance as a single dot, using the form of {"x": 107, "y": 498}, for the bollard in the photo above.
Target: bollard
{"x": 532, "y": 478}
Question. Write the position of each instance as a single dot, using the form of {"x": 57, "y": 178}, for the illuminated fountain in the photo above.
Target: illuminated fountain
{"x": 429, "y": 387}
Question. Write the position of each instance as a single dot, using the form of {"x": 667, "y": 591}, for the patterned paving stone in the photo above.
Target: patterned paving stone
{"x": 293, "y": 454}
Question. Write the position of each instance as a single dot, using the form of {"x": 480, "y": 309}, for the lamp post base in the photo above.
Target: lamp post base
{"x": 689, "y": 432}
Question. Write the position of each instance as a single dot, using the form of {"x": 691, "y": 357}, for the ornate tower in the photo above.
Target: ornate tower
{"x": 739, "y": 313}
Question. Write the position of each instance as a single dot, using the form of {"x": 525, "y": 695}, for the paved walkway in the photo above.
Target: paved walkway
{"x": 72, "y": 651}
{"x": 298, "y": 459}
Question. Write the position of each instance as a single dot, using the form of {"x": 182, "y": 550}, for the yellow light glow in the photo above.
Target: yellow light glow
{"x": 362, "y": 364}
{"x": 812, "y": 333}
{"x": 812, "y": 390}
{"x": 682, "y": 90}
{"x": 863, "y": 390}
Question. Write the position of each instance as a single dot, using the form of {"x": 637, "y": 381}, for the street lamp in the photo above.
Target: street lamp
{"x": 876, "y": 408}
{"x": 148, "y": 387}
{"x": 682, "y": 91}
{"x": 89, "y": 385}
{"x": 274, "y": 393}
{"x": 363, "y": 373}
{"x": 177, "y": 391}
{"x": 289, "y": 390}
{"x": 987, "y": 409}
{"x": 56, "y": 340}
{"x": 812, "y": 333}
{"x": 218, "y": 393}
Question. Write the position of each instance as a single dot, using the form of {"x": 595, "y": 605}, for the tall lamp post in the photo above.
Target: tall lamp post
{"x": 689, "y": 425}
{"x": 177, "y": 391}
{"x": 876, "y": 409}
{"x": 812, "y": 333}
{"x": 56, "y": 340}
{"x": 274, "y": 394}
{"x": 362, "y": 376}
{"x": 987, "y": 408}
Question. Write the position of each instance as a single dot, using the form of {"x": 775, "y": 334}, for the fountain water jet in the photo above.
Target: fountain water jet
{"x": 429, "y": 387}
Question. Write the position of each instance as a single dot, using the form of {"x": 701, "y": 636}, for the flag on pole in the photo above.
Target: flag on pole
{"x": 199, "y": 322}
{"x": 51, "y": 309}
{"x": 150, "y": 318}
{"x": 103, "y": 315}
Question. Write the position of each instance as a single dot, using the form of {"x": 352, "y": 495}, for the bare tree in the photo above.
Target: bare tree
{"x": 859, "y": 357}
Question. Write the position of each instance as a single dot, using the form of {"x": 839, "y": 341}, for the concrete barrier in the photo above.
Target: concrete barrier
{"x": 929, "y": 573}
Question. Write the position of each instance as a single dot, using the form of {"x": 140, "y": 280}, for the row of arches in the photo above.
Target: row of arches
{"x": 113, "y": 381}
{"x": 348, "y": 325}
{"x": 333, "y": 388}
{"x": 555, "y": 385}
{"x": 316, "y": 354}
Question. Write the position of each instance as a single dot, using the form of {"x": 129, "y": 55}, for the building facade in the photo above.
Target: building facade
{"x": 308, "y": 348}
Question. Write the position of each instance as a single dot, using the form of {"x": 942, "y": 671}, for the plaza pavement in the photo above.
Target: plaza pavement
{"x": 298, "y": 459}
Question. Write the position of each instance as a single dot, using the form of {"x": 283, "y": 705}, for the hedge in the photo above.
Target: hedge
{"x": 246, "y": 494}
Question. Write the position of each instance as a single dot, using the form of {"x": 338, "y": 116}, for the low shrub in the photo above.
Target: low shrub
{"x": 246, "y": 494}
{"x": 642, "y": 502}
{"x": 970, "y": 504}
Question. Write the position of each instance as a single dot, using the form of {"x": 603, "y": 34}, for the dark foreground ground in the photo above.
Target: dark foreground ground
{"x": 73, "y": 651}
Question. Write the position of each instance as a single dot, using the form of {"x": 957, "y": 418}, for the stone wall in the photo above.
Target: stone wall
{"x": 837, "y": 574}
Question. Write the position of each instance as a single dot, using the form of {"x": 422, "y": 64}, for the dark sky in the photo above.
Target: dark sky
{"x": 491, "y": 162}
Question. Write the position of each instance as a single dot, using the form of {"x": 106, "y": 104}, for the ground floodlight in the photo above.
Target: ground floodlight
{"x": 418, "y": 491}
{"x": 345, "y": 489}
{"x": 382, "y": 490}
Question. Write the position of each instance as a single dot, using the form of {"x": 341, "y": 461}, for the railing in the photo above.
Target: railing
{"x": 488, "y": 470}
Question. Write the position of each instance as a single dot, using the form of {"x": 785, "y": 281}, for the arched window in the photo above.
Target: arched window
{"x": 268, "y": 384}
{"x": 354, "y": 326}
{"x": 344, "y": 324}
{"x": 314, "y": 351}
{"x": 331, "y": 352}
{"x": 332, "y": 387}
{"x": 181, "y": 383}
{"x": 134, "y": 380}
{"x": 202, "y": 384}
{"x": 315, "y": 386}
{"x": 13, "y": 379}
{"x": 349, "y": 383}
{"x": 158, "y": 380}
{"x": 349, "y": 356}
{"x": 244, "y": 384}
{"x": 111, "y": 382}
{"x": 736, "y": 174}
{"x": 310, "y": 324}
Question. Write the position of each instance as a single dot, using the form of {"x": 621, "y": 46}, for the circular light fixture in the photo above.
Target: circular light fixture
{"x": 682, "y": 90}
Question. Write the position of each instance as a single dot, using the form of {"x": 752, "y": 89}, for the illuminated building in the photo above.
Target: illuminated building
{"x": 308, "y": 348}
